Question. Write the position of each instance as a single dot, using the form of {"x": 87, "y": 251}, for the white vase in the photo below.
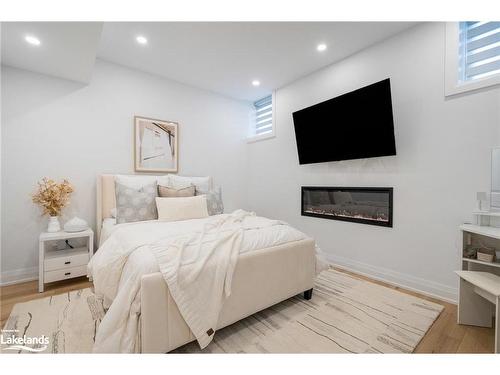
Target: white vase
{"x": 54, "y": 225}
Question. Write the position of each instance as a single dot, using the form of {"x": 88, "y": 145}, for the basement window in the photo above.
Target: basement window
{"x": 472, "y": 56}
{"x": 262, "y": 123}
{"x": 479, "y": 50}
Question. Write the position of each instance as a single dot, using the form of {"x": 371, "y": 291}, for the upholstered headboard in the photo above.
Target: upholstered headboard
{"x": 106, "y": 198}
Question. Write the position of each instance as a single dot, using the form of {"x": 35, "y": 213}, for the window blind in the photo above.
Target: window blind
{"x": 264, "y": 115}
{"x": 479, "y": 50}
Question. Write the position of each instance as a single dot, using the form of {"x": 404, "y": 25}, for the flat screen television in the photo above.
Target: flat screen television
{"x": 355, "y": 125}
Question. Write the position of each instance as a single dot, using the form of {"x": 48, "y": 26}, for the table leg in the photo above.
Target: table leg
{"x": 497, "y": 326}
{"x": 473, "y": 309}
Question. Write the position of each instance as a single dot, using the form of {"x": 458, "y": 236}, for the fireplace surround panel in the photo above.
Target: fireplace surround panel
{"x": 366, "y": 205}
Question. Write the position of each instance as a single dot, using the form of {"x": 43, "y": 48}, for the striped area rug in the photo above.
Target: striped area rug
{"x": 345, "y": 315}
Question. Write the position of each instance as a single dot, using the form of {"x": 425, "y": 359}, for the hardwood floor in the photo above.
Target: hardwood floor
{"x": 445, "y": 335}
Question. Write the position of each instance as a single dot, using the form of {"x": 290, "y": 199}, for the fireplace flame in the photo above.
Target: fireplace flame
{"x": 346, "y": 213}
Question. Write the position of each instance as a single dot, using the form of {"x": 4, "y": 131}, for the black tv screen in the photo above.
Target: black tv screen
{"x": 355, "y": 125}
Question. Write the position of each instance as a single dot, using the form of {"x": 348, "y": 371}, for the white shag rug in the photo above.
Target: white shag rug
{"x": 345, "y": 315}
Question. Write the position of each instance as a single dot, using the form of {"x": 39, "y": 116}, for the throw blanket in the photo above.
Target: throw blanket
{"x": 197, "y": 259}
{"x": 198, "y": 269}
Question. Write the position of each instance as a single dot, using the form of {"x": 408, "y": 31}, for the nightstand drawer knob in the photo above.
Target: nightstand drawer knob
{"x": 67, "y": 274}
{"x": 68, "y": 262}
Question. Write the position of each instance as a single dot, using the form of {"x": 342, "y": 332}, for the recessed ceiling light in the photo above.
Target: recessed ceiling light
{"x": 255, "y": 82}
{"x": 321, "y": 47}
{"x": 141, "y": 39}
{"x": 32, "y": 40}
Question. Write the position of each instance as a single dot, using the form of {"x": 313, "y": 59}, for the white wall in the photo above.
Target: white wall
{"x": 61, "y": 129}
{"x": 443, "y": 158}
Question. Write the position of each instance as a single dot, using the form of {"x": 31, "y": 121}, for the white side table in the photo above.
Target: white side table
{"x": 479, "y": 300}
{"x": 57, "y": 265}
{"x": 479, "y": 287}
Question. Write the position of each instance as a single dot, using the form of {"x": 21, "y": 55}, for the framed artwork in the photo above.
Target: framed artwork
{"x": 156, "y": 145}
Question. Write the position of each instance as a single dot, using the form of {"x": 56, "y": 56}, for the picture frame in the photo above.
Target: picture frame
{"x": 156, "y": 145}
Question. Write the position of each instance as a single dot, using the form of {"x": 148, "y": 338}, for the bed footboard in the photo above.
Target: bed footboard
{"x": 261, "y": 279}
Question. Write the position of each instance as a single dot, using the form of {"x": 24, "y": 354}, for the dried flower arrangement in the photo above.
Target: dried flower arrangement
{"x": 52, "y": 196}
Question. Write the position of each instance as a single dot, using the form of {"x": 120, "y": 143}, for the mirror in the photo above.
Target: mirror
{"x": 495, "y": 179}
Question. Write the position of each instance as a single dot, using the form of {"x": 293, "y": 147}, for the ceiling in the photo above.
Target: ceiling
{"x": 216, "y": 56}
{"x": 67, "y": 49}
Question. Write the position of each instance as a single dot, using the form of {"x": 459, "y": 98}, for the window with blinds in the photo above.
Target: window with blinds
{"x": 263, "y": 116}
{"x": 479, "y": 45}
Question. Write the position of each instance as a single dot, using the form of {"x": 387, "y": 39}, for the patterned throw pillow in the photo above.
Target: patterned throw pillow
{"x": 135, "y": 203}
{"x": 214, "y": 201}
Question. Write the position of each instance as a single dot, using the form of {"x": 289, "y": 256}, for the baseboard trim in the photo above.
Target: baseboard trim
{"x": 428, "y": 288}
{"x": 414, "y": 284}
{"x": 18, "y": 276}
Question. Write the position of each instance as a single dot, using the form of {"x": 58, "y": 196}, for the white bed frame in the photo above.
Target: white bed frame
{"x": 261, "y": 279}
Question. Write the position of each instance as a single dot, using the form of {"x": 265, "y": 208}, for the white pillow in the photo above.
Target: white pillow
{"x": 201, "y": 183}
{"x": 138, "y": 181}
{"x": 134, "y": 181}
{"x": 163, "y": 180}
{"x": 182, "y": 208}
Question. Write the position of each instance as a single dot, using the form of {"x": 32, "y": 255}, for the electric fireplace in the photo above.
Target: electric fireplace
{"x": 366, "y": 205}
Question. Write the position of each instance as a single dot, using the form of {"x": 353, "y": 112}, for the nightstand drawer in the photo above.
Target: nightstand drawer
{"x": 63, "y": 274}
{"x": 59, "y": 260}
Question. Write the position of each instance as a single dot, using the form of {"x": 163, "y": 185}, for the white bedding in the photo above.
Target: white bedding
{"x": 125, "y": 256}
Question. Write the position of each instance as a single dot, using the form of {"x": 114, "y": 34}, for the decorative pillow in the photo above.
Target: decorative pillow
{"x": 137, "y": 180}
{"x": 182, "y": 208}
{"x": 214, "y": 201}
{"x": 201, "y": 183}
{"x": 169, "y": 192}
{"x": 135, "y": 203}
{"x": 163, "y": 180}
{"x": 134, "y": 181}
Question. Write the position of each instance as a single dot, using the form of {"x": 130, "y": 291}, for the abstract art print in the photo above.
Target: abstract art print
{"x": 156, "y": 145}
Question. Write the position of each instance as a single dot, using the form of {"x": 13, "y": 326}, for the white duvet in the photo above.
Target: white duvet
{"x": 135, "y": 249}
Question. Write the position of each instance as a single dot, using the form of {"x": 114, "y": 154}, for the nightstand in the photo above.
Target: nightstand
{"x": 64, "y": 264}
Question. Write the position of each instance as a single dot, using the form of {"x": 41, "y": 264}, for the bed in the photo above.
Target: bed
{"x": 261, "y": 279}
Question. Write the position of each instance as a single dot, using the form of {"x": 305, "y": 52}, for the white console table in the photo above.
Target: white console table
{"x": 479, "y": 288}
